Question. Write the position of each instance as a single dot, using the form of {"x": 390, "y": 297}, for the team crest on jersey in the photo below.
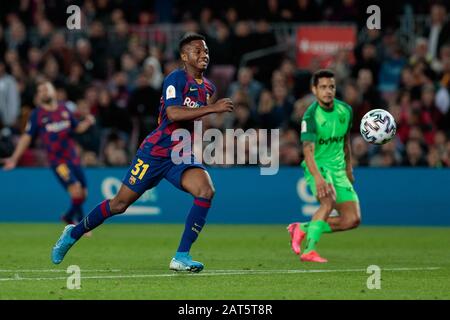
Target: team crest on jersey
{"x": 44, "y": 120}
{"x": 132, "y": 180}
{"x": 65, "y": 114}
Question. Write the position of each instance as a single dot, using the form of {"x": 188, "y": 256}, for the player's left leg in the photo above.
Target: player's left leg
{"x": 82, "y": 191}
{"x": 72, "y": 179}
{"x": 137, "y": 180}
{"x": 198, "y": 183}
{"x": 77, "y": 196}
{"x": 347, "y": 204}
{"x": 106, "y": 209}
{"x": 349, "y": 216}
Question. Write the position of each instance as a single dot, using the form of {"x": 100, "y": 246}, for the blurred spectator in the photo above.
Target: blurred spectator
{"x": 89, "y": 159}
{"x": 220, "y": 46}
{"x": 366, "y": 87}
{"x": 44, "y": 33}
{"x": 433, "y": 158}
{"x": 61, "y": 51}
{"x": 243, "y": 118}
{"x": 143, "y": 106}
{"x": 90, "y": 139}
{"x": 18, "y": 39}
{"x": 421, "y": 52}
{"x": 118, "y": 42}
{"x": 283, "y": 101}
{"x": 242, "y": 41}
{"x": 246, "y": 83}
{"x": 360, "y": 154}
{"x": 368, "y": 60}
{"x": 439, "y": 30}
{"x": 414, "y": 156}
{"x": 130, "y": 67}
{"x": 77, "y": 81}
{"x": 347, "y": 10}
{"x": 390, "y": 70}
{"x": 110, "y": 116}
{"x": 3, "y": 43}
{"x": 304, "y": 11}
{"x": 353, "y": 97}
{"x": 263, "y": 38}
{"x": 115, "y": 151}
{"x": 288, "y": 72}
{"x": 99, "y": 47}
{"x": 6, "y": 141}
{"x": 341, "y": 66}
{"x": 9, "y": 98}
{"x": 152, "y": 70}
{"x": 270, "y": 115}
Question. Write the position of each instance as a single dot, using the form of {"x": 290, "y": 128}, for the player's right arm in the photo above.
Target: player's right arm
{"x": 181, "y": 113}
{"x": 173, "y": 101}
{"x": 11, "y": 162}
{"x": 321, "y": 184}
{"x": 24, "y": 142}
{"x": 308, "y": 137}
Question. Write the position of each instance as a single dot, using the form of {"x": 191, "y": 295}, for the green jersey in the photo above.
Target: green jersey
{"x": 327, "y": 129}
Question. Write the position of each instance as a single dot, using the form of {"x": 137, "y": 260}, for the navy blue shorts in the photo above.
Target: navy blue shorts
{"x": 68, "y": 174}
{"x": 146, "y": 172}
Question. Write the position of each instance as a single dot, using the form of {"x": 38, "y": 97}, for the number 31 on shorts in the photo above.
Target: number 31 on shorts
{"x": 140, "y": 169}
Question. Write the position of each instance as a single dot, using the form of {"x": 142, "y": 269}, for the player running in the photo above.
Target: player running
{"x": 187, "y": 96}
{"x": 55, "y": 125}
{"x": 325, "y": 132}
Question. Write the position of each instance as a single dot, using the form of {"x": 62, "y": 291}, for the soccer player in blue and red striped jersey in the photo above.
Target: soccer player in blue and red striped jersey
{"x": 186, "y": 96}
{"x": 55, "y": 125}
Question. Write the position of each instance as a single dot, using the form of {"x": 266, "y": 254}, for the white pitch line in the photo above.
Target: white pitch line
{"x": 218, "y": 273}
{"x": 53, "y": 270}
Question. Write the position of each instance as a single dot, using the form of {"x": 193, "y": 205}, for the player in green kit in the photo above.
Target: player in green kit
{"x": 325, "y": 133}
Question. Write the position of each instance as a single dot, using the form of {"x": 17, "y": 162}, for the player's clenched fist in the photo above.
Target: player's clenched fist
{"x": 223, "y": 105}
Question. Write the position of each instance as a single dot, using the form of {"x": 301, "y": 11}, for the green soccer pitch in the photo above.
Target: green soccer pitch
{"x": 130, "y": 261}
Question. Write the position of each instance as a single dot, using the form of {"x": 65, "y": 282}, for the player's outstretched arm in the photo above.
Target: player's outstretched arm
{"x": 85, "y": 124}
{"x": 321, "y": 185}
{"x": 177, "y": 113}
{"x": 11, "y": 162}
{"x": 348, "y": 158}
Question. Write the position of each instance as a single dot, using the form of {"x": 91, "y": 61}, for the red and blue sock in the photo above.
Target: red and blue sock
{"x": 75, "y": 212}
{"x": 95, "y": 218}
{"x": 194, "y": 223}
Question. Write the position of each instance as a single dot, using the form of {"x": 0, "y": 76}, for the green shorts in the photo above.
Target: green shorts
{"x": 343, "y": 186}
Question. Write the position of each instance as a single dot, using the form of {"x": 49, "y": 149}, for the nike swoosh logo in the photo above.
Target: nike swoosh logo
{"x": 193, "y": 89}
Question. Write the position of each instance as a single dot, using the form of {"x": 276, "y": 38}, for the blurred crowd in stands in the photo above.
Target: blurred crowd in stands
{"x": 115, "y": 73}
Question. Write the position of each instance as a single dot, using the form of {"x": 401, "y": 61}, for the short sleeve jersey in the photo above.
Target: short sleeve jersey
{"x": 327, "y": 129}
{"x": 55, "y": 128}
{"x": 182, "y": 90}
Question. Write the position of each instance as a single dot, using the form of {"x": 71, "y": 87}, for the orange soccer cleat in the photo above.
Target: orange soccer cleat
{"x": 297, "y": 236}
{"x": 312, "y": 256}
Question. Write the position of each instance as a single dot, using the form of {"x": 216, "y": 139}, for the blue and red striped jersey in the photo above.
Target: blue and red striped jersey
{"x": 179, "y": 89}
{"x": 55, "y": 128}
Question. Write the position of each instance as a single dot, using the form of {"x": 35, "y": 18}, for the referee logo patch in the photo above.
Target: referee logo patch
{"x": 304, "y": 126}
{"x": 170, "y": 92}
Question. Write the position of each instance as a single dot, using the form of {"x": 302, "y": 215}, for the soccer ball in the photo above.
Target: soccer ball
{"x": 378, "y": 126}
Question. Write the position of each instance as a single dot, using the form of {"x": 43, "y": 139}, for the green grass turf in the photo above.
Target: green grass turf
{"x": 137, "y": 257}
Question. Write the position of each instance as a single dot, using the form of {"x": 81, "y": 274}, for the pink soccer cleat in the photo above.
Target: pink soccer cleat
{"x": 297, "y": 236}
{"x": 312, "y": 256}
